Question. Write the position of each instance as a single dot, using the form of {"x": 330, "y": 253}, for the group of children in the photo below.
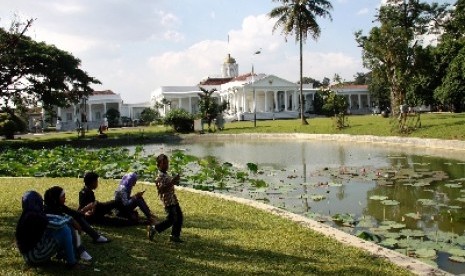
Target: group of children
{"x": 47, "y": 227}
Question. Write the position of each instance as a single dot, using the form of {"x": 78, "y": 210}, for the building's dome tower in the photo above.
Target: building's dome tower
{"x": 230, "y": 68}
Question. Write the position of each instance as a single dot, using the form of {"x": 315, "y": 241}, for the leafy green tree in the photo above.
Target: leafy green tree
{"x": 10, "y": 124}
{"x": 149, "y": 115}
{"x": 392, "y": 46}
{"x": 309, "y": 80}
{"x": 450, "y": 61}
{"x": 360, "y": 78}
{"x": 209, "y": 106}
{"x": 113, "y": 117}
{"x": 34, "y": 72}
{"x": 336, "y": 105}
{"x": 298, "y": 17}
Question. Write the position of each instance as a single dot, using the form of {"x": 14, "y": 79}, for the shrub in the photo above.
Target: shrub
{"x": 10, "y": 124}
{"x": 180, "y": 120}
{"x": 113, "y": 116}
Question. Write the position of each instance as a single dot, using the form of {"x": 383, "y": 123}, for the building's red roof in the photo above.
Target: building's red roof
{"x": 215, "y": 81}
{"x": 350, "y": 86}
{"x": 243, "y": 77}
{"x": 104, "y": 92}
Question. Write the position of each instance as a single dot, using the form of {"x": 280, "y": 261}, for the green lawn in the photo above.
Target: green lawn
{"x": 222, "y": 238}
{"x": 433, "y": 125}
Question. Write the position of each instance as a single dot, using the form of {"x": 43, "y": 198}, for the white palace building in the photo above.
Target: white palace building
{"x": 272, "y": 96}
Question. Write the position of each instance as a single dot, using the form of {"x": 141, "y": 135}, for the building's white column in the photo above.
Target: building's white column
{"x": 179, "y": 103}
{"x": 285, "y": 100}
{"x": 359, "y": 101}
{"x": 296, "y": 99}
{"x": 350, "y": 102}
{"x": 275, "y": 99}
{"x": 105, "y": 109}
{"x": 89, "y": 113}
{"x": 266, "y": 101}
{"x": 59, "y": 113}
{"x": 243, "y": 100}
{"x": 190, "y": 104}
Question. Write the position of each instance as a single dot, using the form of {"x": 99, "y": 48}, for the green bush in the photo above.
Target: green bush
{"x": 113, "y": 116}
{"x": 180, "y": 120}
{"x": 10, "y": 124}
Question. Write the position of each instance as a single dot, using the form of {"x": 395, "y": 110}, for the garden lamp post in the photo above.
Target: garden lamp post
{"x": 254, "y": 95}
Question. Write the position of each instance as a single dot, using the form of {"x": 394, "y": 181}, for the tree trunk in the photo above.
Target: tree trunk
{"x": 302, "y": 100}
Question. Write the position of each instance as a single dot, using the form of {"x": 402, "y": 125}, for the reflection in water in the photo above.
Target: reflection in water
{"x": 330, "y": 178}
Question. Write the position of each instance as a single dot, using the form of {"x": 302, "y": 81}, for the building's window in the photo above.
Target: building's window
{"x": 69, "y": 116}
{"x": 97, "y": 115}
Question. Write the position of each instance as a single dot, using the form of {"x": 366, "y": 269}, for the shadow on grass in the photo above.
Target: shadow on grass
{"x": 130, "y": 252}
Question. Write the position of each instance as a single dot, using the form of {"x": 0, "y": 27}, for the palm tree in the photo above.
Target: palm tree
{"x": 298, "y": 17}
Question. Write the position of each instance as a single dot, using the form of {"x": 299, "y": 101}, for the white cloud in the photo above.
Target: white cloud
{"x": 363, "y": 11}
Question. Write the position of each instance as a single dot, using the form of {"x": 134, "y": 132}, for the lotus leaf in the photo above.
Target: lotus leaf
{"x": 460, "y": 240}
{"x": 427, "y": 202}
{"x": 425, "y": 253}
{"x": 376, "y": 197}
{"x": 332, "y": 184}
{"x": 365, "y": 235}
{"x": 317, "y": 197}
{"x": 390, "y": 202}
{"x": 457, "y": 259}
{"x": 453, "y": 185}
{"x": 440, "y": 236}
{"x": 412, "y": 233}
{"x": 413, "y": 215}
{"x": 389, "y": 243}
{"x": 457, "y": 252}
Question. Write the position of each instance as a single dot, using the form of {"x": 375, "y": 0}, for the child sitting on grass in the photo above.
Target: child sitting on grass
{"x": 165, "y": 186}
{"x": 54, "y": 199}
{"x": 93, "y": 210}
{"x": 126, "y": 204}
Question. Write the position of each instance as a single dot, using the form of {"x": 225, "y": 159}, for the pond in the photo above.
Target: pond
{"x": 407, "y": 199}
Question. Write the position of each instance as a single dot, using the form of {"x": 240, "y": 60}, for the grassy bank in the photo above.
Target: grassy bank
{"x": 435, "y": 125}
{"x": 446, "y": 126}
{"x": 222, "y": 238}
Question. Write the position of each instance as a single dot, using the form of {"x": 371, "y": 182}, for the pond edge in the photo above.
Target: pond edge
{"x": 411, "y": 264}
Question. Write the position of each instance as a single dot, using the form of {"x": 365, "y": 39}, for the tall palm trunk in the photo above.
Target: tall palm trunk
{"x": 302, "y": 100}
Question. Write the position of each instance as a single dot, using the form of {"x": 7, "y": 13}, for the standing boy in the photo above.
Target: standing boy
{"x": 165, "y": 186}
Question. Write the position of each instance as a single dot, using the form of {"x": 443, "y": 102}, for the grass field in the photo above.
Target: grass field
{"x": 222, "y": 238}
{"x": 448, "y": 126}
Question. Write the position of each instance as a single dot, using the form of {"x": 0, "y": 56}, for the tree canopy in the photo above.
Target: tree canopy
{"x": 209, "y": 106}
{"x": 298, "y": 18}
{"x": 35, "y": 72}
{"x": 391, "y": 49}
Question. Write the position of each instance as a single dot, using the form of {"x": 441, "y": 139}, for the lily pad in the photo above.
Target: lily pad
{"x": 457, "y": 252}
{"x": 453, "y": 185}
{"x": 390, "y": 202}
{"x": 427, "y": 202}
{"x": 413, "y": 215}
{"x": 425, "y": 253}
{"x": 389, "y": 243}
{"x": 457, "y": 259}
{"x": 376, "y": 197}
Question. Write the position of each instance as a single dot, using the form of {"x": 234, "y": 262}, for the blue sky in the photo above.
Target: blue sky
{"x": 135, "y": 46}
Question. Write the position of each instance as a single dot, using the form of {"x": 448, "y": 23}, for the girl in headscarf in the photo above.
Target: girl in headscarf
{"x": 38, "y": 237}
{"x": 55, "y": 198}
{"x": 127, "y": 203}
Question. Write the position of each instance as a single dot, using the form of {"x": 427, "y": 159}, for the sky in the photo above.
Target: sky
{"x": 135, "y": 46}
